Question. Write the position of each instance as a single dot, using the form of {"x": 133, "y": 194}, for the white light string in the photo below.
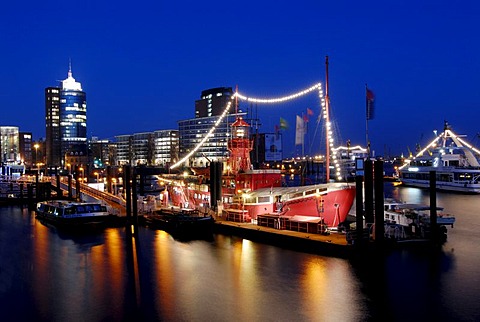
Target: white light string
{"x": 185, "y": 158}
{"x": 279, "y": 99}
{"x": 317, "y": 86}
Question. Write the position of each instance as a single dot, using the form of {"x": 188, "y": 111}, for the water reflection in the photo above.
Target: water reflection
{"x": 116, "y": 276}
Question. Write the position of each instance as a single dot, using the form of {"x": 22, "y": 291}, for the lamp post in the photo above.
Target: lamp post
{"x": 185, "y": 182}
{"x": 81, "y": 169}
{"x": 36, "y": 146}
{"x": 114, "y": 184}
{"x": 245, "y": 196}
{"x": 96, "y": 174}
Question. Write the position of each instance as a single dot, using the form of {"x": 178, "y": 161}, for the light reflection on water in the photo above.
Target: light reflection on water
{"x": 110, "y": 276}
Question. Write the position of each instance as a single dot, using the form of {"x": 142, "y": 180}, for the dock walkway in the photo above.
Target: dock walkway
{"x": 334, "y": 244}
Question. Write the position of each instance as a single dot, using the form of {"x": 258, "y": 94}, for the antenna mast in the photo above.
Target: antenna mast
{"x": 236, "y": 100}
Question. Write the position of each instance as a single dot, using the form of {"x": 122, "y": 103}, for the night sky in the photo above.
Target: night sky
{"x": 144, "y": 63}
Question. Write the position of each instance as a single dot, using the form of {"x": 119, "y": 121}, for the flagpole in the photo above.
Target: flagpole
{"x": 366, "y": 121}
{"x": 327, "y": 120}
{"x": 304, "y": 132}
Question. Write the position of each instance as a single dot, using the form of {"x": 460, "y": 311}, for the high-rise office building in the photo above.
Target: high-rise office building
{"x": 52, "y": 126}
{"x": 9, "y": 145}
{"x": 193, "y": 131}
{"x": 213, "y": 101}
{"x": 66, "y": 121}
{"x": 208, "y": 109}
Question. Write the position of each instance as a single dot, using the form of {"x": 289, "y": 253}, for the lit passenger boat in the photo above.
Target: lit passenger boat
{"x": 455, "y": 162}
{"x": 72, "y": 214}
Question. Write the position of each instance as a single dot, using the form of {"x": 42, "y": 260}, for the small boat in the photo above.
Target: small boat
{"x": 413, "y": 221}
{"x": 456, "y": 164}
{"x": 182, "y": 224}
{"x": 72, "y": 214}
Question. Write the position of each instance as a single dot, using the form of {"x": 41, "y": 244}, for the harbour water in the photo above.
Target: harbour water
{"x": 46, "y": 275}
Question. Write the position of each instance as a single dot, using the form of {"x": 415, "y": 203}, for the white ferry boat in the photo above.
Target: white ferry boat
{"x": 405, "y": 221}
{"x": 455, "y": 161}
{"x": 73, "y": 214}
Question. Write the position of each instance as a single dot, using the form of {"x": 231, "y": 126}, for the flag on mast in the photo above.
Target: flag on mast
{"x": 283, "y": 124}
{"x": 370, "y": 106}
{"x": 305, "y": 118}
{"x": 309, "y": 112}
{"x": 300, "y": 131}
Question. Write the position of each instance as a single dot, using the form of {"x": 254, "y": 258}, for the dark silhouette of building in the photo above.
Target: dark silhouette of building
{"x": 213, "y": 101}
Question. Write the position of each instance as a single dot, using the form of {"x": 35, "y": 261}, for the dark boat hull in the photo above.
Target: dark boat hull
{"x": 182, "y": 226}
{"x": 78, "y": 224}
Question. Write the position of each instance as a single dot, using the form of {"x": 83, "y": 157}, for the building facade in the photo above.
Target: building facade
{"x": 158, "y": 148}
{"x": 53, "y": 150}
{"x": 26, "y": 148}
{"x": 100, "y": 152}
{"x": 9, "y": 145}
{"x": 213, "y": 102}
{"x": 167, "y": 147}
{"x": 215, "y": 148}
{"x": 66, "y": 121}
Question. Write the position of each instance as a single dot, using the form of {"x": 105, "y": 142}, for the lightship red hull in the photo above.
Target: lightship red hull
{"x": 330, "y": 202}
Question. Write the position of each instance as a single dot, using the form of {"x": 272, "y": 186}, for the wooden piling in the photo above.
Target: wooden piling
{"x": 379, "y": 202}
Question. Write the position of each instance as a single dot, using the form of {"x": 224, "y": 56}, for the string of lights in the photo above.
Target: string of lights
{"x": 463, "y": 141}
{"x": 445, "y": 135}
{"x": 209, "y": 133}
{"x": 317, "y": 87}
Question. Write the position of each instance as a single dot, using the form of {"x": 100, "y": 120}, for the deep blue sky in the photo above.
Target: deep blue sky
{"x": 144, "y": 63}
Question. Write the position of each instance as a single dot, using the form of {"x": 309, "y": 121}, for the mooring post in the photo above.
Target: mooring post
{"x": 70, "y": 194}
{"x": 134, "y": 197}
{"x": 215, "y": 183}
{"x": 369, "y": 191}
{"x": 359, "y": 208}
{"x": 36, "y": 186}
{"x": 59, "y": 188}
{"x": 379, "y": 202}
{"x": 128, "y": 192}
{"x": 433, "y": 205}
{"x": 77, "y": 183}
{"x": 30, "y": 198}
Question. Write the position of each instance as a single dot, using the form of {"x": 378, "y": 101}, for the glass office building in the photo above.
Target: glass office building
{"x": 65, "y": 120}
{"x": 192, "y": 132}
{"x": 158, "y": 148}
{"x": 73, "y": 115}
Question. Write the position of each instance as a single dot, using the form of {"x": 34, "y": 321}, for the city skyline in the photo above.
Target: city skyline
{"x": 144, "y": 67}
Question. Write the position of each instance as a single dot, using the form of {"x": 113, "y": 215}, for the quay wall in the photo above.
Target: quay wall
{"x": 332, "y": 245}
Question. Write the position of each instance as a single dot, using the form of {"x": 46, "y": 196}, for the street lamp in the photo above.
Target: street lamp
{"x": 36, "y": 146}
{"x": 81, "y": 169}
{"x": 185, "y": 182}
{"x": 114, "y": 183}
{"x": 96, "y": 173}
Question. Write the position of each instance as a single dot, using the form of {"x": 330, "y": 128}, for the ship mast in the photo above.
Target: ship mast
{"x": 327, "y": 122}
{"x": 236, "y": 100}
